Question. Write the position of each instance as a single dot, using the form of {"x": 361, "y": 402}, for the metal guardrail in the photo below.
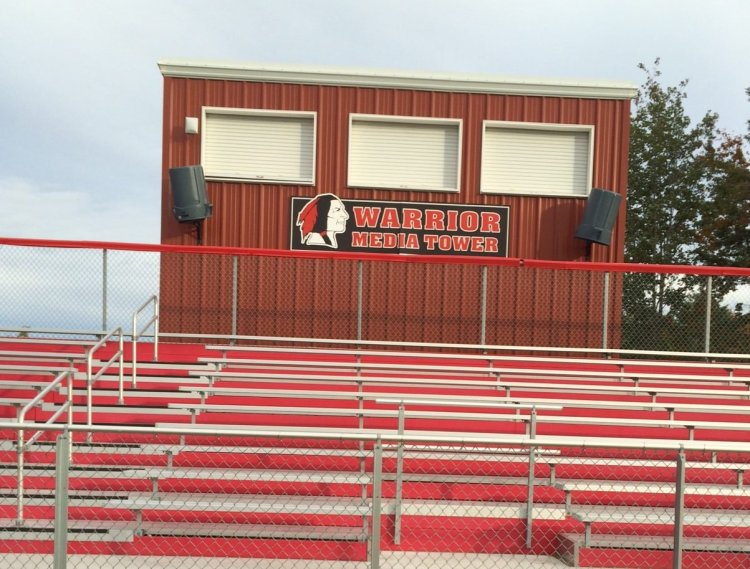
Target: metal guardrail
{"x": 403, "y": 402}
{"x": 137, "y": 334}
{"x": 91, "y": 377}
{"x": 23, "y": 445}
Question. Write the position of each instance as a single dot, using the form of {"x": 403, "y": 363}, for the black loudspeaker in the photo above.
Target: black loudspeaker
{"x": 189, "y": 194}
{"x": 599, "y": 217}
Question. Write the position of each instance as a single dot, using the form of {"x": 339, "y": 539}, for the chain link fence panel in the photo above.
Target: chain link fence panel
{"x": 168, "y": 500}
{"x": 410, "y": 300}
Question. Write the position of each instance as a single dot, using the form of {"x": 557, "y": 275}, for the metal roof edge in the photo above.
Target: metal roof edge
{"x": 391, "y": 79}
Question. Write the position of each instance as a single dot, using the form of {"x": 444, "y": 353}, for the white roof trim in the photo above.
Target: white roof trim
{"x": 471, "y": 83}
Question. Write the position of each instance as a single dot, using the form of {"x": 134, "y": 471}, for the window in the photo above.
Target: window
{"x": 537, "y": 159}
{"x": 404, "y": 153}
{"x": 259, "y": 146}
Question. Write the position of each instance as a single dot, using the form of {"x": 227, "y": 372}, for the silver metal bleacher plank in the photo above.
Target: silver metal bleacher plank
{"x": 270, "y": 475}
{"x": 177, "y": 380}
{"x": 477, "y": 509}
{"x": 123, "y": 409}
{"x": 21, "y": 384}
{"x": 140, "y": 392}
{"x": 654, "y": 515}
{"x": 102, "y": 534}
{"x": 52, "y": 341}
{"x": 246, "y": 503}
{"x": 34, "y": 355}
{"x": 333, "y": 533}
{"x": 610, "y": 362}
{"x": 28, "y": 369}
{"x": 568, "y": 402}
{"x": 650, "y": 487}
{"x": 618, "y": 541}
{"x": 471, "y": 370}
{"x": 346, "y": 412}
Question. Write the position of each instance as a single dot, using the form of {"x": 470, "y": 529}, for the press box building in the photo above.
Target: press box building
{"x": 366, "y": 161}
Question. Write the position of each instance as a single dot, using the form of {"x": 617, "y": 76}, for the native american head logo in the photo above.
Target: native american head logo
{"x": 322, "y": 218}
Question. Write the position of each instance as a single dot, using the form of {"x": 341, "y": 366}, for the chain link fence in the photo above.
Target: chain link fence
{"x": 198, "y": 499}
{"x": 512, "y": 303}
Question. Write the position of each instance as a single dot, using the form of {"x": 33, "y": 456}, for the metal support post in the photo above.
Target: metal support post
{"x": 156, "y": 329}
{"x": 605, "y": 312}
{"x": 104, "y": 290}
{"x": 399, "y": 477}
{"x": 377, "y": 492}
{"x": 679, "y": 503}
{"x": 483, "y": 308}
{"x": 709, "y": 294}
{"x": 532, "y": 467}
{"x": 62, "y": 465}
{"x": 20, "y": 447}
{"x": 235, "y": 281}
{"x": 359, "y": 299}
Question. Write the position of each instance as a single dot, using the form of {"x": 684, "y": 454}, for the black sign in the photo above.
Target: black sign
{"x": 326, "y": 222}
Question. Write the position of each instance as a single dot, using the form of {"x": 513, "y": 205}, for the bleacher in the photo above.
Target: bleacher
{"x": 543, "y": 458}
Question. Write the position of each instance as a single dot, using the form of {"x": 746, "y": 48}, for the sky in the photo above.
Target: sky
{"x": 81, "y": 93}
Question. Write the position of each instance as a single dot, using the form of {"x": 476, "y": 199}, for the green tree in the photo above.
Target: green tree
{"x": 688, "y": 203}
{"x": 666, "y": 194}
{"x": 724, "y": 232}
{"x": 667, "y": 175}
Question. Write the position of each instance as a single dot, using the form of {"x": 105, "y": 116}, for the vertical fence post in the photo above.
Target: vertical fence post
{"x": 235, "y": 281}
{"x": 709, "y": 294}
{"x": 62, "y": 465}
{"x": 483, "y": 308}
{"x": 679, "y": 502}
{"x": 377, "y": 483}
{"x": 399, "y": 476}
{"x": 21, "y": 445}
{"x": 532, "y": 467}
{"x": 359, "y": 300}
{"x": 104, "y": 290}
{"x": 156, "y": 328}
{"x": 605, "y": 312}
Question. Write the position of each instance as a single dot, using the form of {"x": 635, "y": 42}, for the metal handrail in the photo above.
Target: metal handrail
{"x": 23, "y": 445}
{"x": 90, "y": 378}
{"x": 138, "y": 333}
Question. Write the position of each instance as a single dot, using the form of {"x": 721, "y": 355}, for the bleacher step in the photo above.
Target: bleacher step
{"x": 134, "y": 393}
{"x": 645, "y": 550}
{"x": 229, "y": 530}
{"x": 120, "y": 409}
{"x": 78, "y": 530}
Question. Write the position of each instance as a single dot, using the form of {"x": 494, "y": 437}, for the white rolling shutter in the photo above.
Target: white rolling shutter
{"x": 535, "y": 159}
{"x": 263, "y": 146}
{"x": 403, "y": 153}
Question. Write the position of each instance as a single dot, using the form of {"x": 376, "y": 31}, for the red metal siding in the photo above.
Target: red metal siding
{"x": 258, "y": 216}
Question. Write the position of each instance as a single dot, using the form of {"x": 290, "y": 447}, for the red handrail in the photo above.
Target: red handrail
{"x": 374, "y": 257}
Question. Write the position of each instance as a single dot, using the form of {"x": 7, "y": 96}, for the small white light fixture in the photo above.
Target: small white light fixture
{"x": 191, "y": 125}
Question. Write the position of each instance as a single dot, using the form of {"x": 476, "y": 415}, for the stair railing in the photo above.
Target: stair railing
{"x": 23, "y": 445}
{"x": 137, "y": 334}
{"x": 91, "y": 378}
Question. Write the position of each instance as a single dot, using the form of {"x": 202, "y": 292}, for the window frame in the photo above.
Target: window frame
{"x": 409, "y": 120}
{"x": 589, "y": 129}
{"x": 272, "y": 113}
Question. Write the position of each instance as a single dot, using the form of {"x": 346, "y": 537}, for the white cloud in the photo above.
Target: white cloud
{"x": 31, "y": 211}
{"x": 739, "y": 296}
{"x": 80, "y": 151}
